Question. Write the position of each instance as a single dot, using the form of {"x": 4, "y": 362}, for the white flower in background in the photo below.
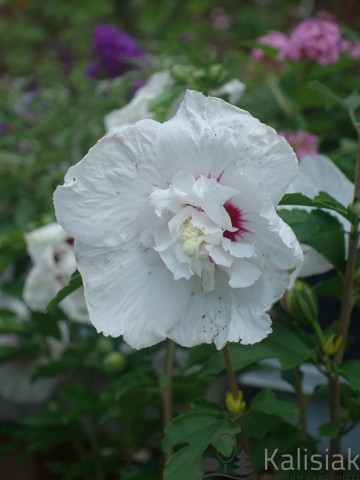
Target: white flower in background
{"x": 16, "y": 384}
{"x": 138, "y": 108}
{"x": 175, "y": 228}
{"x": 318, "y": 173}
{"x": 233, "y": 89}
{"x": 52, "y": 253}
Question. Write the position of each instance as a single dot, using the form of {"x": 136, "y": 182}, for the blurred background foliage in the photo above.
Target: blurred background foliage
{"x": 51, "y": 113}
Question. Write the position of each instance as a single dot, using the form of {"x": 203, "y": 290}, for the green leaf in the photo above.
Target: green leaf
{"x": 322, "y": 200}
{"x": 257, "y": 424}
{"x": 320, "y": 230}
{"x": 46, "y": 324}
{"x": 8, "y": 353}
{"x": 332, "y": 287}
{"x": 327, "y": 93}
{"x": 353, "y": 100}
{"x": 350, "y": 369}
{"x": 331, "y": 429}
{"x": 205, "y": 424}
{"x": 284, "y": 344}
{"x": 75, "y": 282}
{"x": 10, "y": 324}
{"x": 266, "y": 402}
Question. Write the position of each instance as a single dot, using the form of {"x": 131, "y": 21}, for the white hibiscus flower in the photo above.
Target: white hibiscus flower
{"x": 52, "y": 253}
{"x": 139, "y": 106}
{"x": 318, "y": 173}
{"x": 175, "y": 228}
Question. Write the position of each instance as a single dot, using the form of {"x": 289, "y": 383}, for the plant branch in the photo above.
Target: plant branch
{"x": 301, "y": 402}
{"x": 347, "y": 305}
{"x": 167, "y": 392}
{"x": 230, "y": 372}
{"x": 279, "y": 97}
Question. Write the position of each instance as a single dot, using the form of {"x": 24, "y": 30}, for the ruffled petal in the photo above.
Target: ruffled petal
{"x": 142, "y": 299}
{"x": 208, "y": 136}
{"x": 106, "y": 191}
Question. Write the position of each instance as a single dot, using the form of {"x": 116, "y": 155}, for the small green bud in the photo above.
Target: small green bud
{"x": 354, "y": 208}
{"x": 301, "y": 303}
{"x": 215, "y": 71}
{"x": 114, "y": 362}
{"x": 105, "y": 345}
{"x": 331, "y": 344}
{"x": 235, "y": 405}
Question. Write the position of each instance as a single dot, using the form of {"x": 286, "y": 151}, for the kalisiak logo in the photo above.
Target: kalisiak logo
{"x": 302, "y": 460}
{"x": 236, "y": 466}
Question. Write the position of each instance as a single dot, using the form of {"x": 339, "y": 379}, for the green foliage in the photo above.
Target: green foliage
{"x": 266, "y": 402}
{"x": 75, "y": 282}
{"x": 284, "y": 344}
{"x": 103, "y": 419}
{"x": 350, "y": 369}
{"x": 203, "y": 426}
{"x": 320, "y": 230}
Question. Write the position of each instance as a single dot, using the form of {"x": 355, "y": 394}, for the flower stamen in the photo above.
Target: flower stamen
{"x": 192, "y": 238}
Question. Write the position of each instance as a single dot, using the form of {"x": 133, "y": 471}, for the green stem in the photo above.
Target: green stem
{"x": 167, "y": 393}
{"x": 230, "y": 372}
{"x": 280, "y": 99}
{"x": 347, "y": 305}
{"x": 301, "y": 402}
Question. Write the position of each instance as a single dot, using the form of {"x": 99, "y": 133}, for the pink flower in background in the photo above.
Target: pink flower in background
{"x": 220, "y": 19}
{"x": 351, "y": 49}
{"x": 303, "y": 143}
{"x": 273, "y": 39}
{"x": 315, "y": 39}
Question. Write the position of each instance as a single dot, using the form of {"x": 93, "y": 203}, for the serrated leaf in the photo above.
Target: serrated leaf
{"x": 283, "y": 344}
{"x": 197, "y": 429}
{"x": 267, "y": 402}
{"x": 75, "y": 282}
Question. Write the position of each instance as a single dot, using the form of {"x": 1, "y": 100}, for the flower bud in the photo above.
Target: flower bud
{"x": 354, "y": 208}
{"x": 114, "y": 362}
{"x": 104, "y": 346}
{"x": 301, "y": 303}
{"x": 235, "y": 406}
{"x": 331, "y": 344}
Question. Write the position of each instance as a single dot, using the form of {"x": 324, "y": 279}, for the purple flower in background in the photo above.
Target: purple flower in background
{"x": 315, "y": 39}
{"x": 115, "y": 53}
{"x": 303, "y": 143}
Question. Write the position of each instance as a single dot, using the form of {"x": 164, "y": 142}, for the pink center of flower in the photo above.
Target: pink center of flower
{"x": 237, "y": 221}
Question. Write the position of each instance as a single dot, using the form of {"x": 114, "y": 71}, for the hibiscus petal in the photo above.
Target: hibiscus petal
{"x": 142, "y": 299}
{"x": 208, "y": 136}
